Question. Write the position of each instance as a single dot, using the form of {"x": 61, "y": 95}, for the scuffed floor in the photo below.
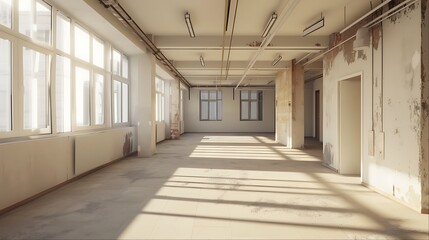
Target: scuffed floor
{"x": 216, "y": 186}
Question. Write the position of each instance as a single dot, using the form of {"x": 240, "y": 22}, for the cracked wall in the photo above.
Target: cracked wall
{"x": 392, "y": 109}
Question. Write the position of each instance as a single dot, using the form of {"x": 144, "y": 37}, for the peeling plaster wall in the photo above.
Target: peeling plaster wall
{"x": 424, "y": 164}
{"x": 309, "y": 109}
{"x": 318, "y": 86}
{"x": 283, "y": 107}
{"x": 391, "y": 107}
{"x": 230, "y": 113}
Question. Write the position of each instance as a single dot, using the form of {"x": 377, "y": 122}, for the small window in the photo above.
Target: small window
{"x": 210, "y": 105}
{"x": 63, "y": 96}
{"x": 99, "y": 98}
{"x": 5, "y": 86}
{"x": 117, "y": 101}
{"x": 98, "y": 52}
{"x": 116, "y": 62}
{"x": 81, "y": 43}
{"x": 35, "y": 20}
{"x": 82, "y": 97}
{"x": 6, "y": 13}
{"x": 63, "y": 33}
{"x": 251, "y": 105}
{"x": 36, "y": 78}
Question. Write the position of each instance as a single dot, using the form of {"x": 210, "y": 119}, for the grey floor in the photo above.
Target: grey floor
{"x": 216, "y": 186}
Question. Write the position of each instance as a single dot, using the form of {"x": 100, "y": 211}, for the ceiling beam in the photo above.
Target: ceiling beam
{"x": 310, "y": 43}
{"x": 211, "y": 65}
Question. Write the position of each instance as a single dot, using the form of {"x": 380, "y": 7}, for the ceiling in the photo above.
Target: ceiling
{"x": 164, "y": 21}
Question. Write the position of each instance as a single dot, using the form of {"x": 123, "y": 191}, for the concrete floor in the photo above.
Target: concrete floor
{"x": 216, "y": 186}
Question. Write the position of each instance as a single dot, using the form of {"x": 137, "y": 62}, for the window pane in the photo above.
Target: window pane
{"x": 125, "y": 67}
{"x": 5, "y": 86}
{"x": 36, "y": 73}
{"x": 81, "y": 44}
{"x": 98, "y": 52}
{"x": 82, "y": 97}
{"x": 63, "y": 33}
{"x": 244, "y": 110}
{"x": 117, "y": 96}
{"x": 116, "y": 62}
{"x": 213, "y": 111}
{"x": 63, "y": 98}
{"x": 244, "y": 95}
{"x": 212, "y": 95}
{"x": 219, "y": 95}
{"x": 25, "y": 17}
{"x": 43, "y": 22}
{"x": 219, "y": 110}
{"x": 99, "y": 98}
{"x": 254, "y": 95}
{"x": 254, "y": 110}
{"x": 6, "y": 13}
{"x": 204, "y": 95}
{"x": 204, "y": 110}
{"x": 124, "y": 102}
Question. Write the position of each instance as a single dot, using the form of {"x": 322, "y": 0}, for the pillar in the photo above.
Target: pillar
{"x": 175, "y": 110}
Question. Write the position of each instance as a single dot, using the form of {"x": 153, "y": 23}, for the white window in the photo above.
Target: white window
{"x": 124, "y": 67}
{"x": 97, "y": 52}
{"x": 160, "y": 100}
{"x": 82, "y": 97}
{"x": 210, "y": 105}
{"x": 117, "y": 101}
{"x": 35, "y": 20}
{"x": 116, "y": 62}
{"x": 36, "y": 78}
{"x": 5, "y": 86}
{"x": 6, "y": 13}
{"x": 99, "y": 98}
{"x": 251, "y": 105}
{"x": 62, "y": 94}
{"x": 81, "y": 43}
{"x": 63, "y": 33}
{"x": 124, "y": 102}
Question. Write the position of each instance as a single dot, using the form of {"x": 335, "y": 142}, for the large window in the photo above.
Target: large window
{"x": 35, "y": 20}
{"x": 62, "y": 94}
{"x": 160, "y": 100}
{"x": 36, "y": 78}
{"x": 82, "y": 97}
{"x": 63, "y": 33}
{"x": 6, "y": 13}
{"x": 5, "y": 86}
{"x": 99, "y": 98}
{"x": 251, "y": 105}
{"x": 81, "y": 43}
{"x": 210, "y": 105}
{"x": 120, "y": 89}
{"x": 97, "y": 52}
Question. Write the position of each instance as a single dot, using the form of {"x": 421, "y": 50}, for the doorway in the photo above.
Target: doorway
{"x": 317, "y": 115}
{"x": 350, "y": 125}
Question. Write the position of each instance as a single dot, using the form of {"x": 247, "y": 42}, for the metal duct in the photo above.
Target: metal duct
{"x": 116, "y": 9}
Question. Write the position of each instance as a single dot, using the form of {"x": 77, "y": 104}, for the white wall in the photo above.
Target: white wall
{"x": 318, "y": 86}
{"x": 391, "y": 106}
{"x": 231, "y": 114}
{"x": 309, "y": 109}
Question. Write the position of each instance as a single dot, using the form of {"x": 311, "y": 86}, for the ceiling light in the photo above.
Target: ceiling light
{"x": 277, "y": 60}
{"x": 202, "y": 61}
{"x": 270, "y": 24}
{"x": 189, "y": 25}
{"x": 314, "y": 27}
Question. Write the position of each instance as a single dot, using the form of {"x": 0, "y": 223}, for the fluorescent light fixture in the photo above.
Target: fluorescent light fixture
{"x": 277, "y": 60}
{"x": 270, "y": 24}
{"x": 189, "y": 25}
{"x": 202, "y": 61}
{"x": 314, "y": 27}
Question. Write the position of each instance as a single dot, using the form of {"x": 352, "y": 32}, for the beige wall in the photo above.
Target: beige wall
{"x": 391, "y": 103}
{"x": 231, "y": 114}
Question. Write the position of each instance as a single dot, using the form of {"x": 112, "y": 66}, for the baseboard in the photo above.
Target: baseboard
{"x": 60, "y": 185}
{"x": 395, "y": 199}
{"x": 425, "y": 211}
{"x": 330, "y": 167}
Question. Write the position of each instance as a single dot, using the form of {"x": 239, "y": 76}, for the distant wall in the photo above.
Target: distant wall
{"x": 231, "y": 114}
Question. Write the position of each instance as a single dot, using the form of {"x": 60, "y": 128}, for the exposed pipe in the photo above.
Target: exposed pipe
{"x": 116, "y": 9}
{"x": 286, "y": 11}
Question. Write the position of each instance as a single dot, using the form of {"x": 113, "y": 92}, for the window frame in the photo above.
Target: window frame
{"x": 217, "y": 100}
{"x": 259, "y": 102}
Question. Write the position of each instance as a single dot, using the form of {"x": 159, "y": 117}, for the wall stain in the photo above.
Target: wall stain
{"x": 396, "y": 18}
{"x": 376, "y": 35}
{"x": 128, "y": 144}
{"x": 328, "y": 154}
